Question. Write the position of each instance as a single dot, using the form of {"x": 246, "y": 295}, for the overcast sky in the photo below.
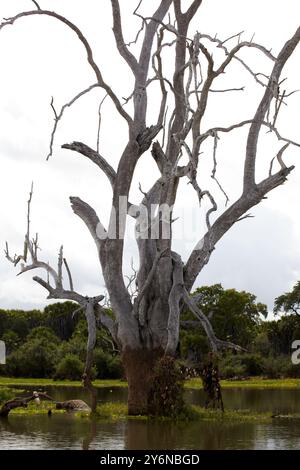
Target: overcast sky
{"x": 40, "y": 58}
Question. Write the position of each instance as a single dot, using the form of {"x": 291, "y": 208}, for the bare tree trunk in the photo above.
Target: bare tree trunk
{"x": 87, "y": 381}
{"x": 139, "y": 367}
{"x": 87, "y": 374}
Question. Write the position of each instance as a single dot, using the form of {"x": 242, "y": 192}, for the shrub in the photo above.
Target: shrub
{"x": 75, "y": 346}
{"x": 193, "y": 345}
{"x": 230, "y": 371}
{"x": 100, "y": 361}
{"x": 107, "y": 366}
{"x": 241, "y": 365}
{"x": 281, "y": 366}
{"x": 272, "y": 367}
{"x": 35, "y": 358}
{"x": 42, "y": 333}
{"x": 290, "y": 370}
{"x": 262, "y": 344}
{"x": 167, "y": 391}
{"x": 253, "y": 364}
{"x": 69, "y": 368}
{"x": 230, "y": 366}
{"x": 115, "y": 368}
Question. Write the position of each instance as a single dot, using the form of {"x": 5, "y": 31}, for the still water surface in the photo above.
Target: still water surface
{"x": 66, "y": 432}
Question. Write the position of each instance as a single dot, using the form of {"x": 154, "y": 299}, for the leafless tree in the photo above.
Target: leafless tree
{"x": 146, "y": 325}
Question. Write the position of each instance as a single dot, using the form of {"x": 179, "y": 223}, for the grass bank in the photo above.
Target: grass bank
{"x": 11, "y": 381}
{"x": 257, "y": 382}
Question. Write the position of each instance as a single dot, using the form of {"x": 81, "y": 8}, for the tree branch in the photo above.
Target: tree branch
{"x": 94, "y": 157}
{"x": 202, "y": 251}
{"x": 84, "y": 41}
{"x": 22, "y": 402}
{"x": 212, "y": 131}
{"x": 237, "y": 48}
{"x": 118, "y": 33}
{"x": 103, "y": 164}
{"x": 107, "y": 322}
{"x": 58, "y": 117}
{"x": 140, "y": 93}
{"x": 215, "y": 342}
{"x": 69, "y": 275}
{"x": 190, "y": 13}
{"x": 90, "y": 218}
{"x": 270, "y": 92}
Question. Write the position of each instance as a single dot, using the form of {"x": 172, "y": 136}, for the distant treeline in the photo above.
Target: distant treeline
{"x": 52, "y": 342}
{"x": 58, "y": 317}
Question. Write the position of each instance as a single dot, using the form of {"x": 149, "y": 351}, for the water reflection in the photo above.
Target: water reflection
{"x": 65, "y": 431}
{"x": 89, "y": 438}
{"x": 195, "y": 435}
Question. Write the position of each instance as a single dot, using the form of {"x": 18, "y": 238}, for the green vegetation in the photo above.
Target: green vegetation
{"x": 112, "y": 410}
{"x": 33, "y": 410}
{"x": 52, "y": 344}
{"x": 118, "y": 411}
{"x": 12, "y": 381}
{"x": 167, "y": 391}
{"x": 234, "y": 316}
{"x": 237, "y": 317}
{"x": 7, "y": 393}
{"x": 230, "y": 415}
{"x": 289, "y": 302}
{"x": 70, "y": 367}
{"x": 257, "y": 382}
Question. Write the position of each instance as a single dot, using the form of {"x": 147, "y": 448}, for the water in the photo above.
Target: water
{"x": 64, "y": 431}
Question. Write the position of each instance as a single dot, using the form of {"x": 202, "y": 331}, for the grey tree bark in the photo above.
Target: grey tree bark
{"x": 147, "y": 326}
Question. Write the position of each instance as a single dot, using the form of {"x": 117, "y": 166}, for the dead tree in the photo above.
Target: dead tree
{"x": 94, "y": 313}
{"x": 147, "y": 326}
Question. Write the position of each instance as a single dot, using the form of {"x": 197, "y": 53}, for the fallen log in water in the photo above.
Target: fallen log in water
{"x": 22, "y": 402}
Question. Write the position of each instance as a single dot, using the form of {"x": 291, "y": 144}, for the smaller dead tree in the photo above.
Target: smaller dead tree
{"x": 89, "y": 311}
{"x": 94, "y": 313}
